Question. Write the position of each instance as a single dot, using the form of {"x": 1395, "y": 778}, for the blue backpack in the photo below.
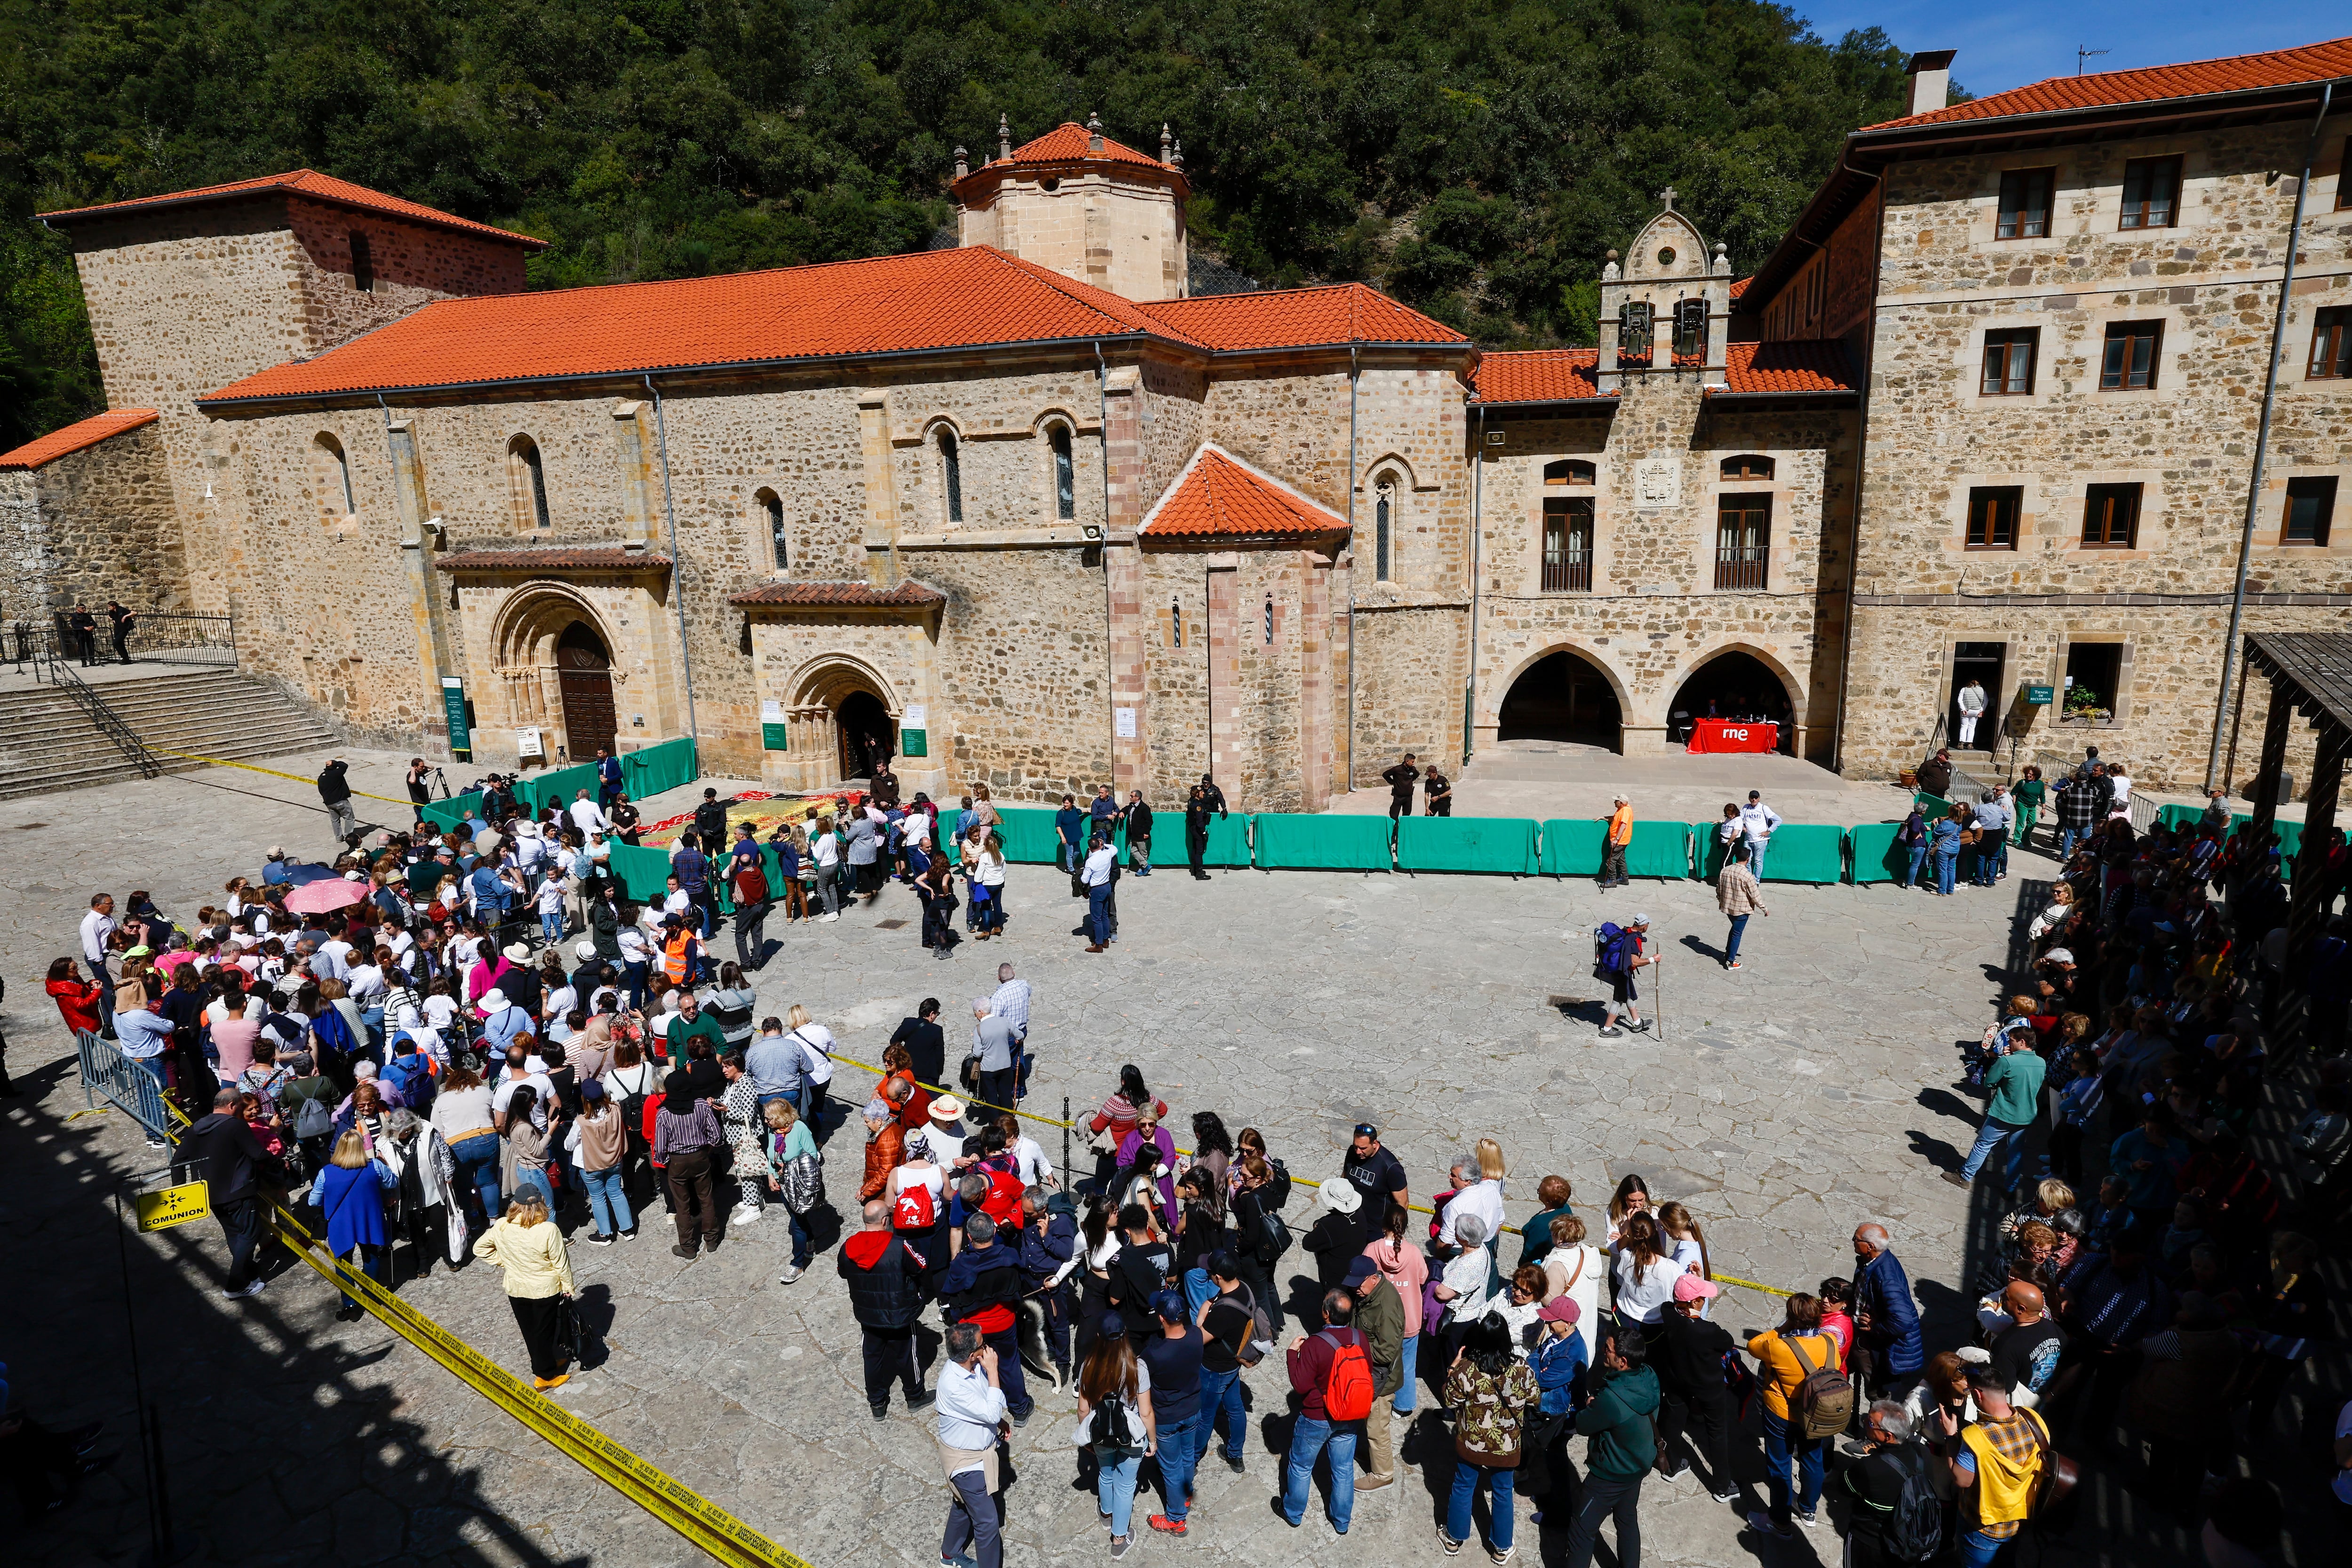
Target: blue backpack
{"x": 332, "y": 1034}
{"x": 1609, "y": 951}
{"x": 414, "y": 1080}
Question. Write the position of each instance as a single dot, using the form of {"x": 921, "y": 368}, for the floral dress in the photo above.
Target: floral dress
{"x": 739, "y": 1115}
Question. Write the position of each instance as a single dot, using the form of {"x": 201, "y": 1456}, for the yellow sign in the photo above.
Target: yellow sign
{"x": 167, "y": 1207}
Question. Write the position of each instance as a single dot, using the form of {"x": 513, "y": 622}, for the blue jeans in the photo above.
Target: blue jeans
{"x": 1978, "y": 1551}
{"x": 1756, "y": 847}
{"x": 1098, "y": 914}
{"x": 1992, "y": 1136}
{"x": 800, "y": 1242}
{"x": 1730, "y": 956}
{"x": 1220, "y": 1395}
{"x": 369, "y": 1261}
{"x": 2066, "y": 840}
{"x": 1919, "y": 858}
{"x": 1180, "y": 1453}
{"x": 551, "y": 921}
{"x": 1780, "y": 1446}
{"x": 1948, "y": 866}
{"x": 1467, "y": 1476}
{"x": 478, "y": 1162}
{"x": 1308, "y": 1438}
{"x": 530, "y": 1177}
{"x": 1408, "y": 1392}
{"x": 1115, "y": 1488}
{"x": 608, "y": 1200}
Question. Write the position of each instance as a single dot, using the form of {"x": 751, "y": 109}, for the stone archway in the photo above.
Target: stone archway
{"x": 843, "y": 712}
{"x": 1738, "y": 681}
{"x": 552, "y": 658}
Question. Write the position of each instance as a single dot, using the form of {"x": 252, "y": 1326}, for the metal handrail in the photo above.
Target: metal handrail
{"x": 109, "y": 723}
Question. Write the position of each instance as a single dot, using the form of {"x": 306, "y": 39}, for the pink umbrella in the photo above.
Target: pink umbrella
{"x": 327, "y": 893}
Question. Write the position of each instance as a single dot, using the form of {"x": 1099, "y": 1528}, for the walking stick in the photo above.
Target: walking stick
{"x": 1660, "y": 1011}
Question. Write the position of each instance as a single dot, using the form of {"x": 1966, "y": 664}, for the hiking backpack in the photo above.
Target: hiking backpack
{"x": 313, "y": 1119}
{"x": 1608, "y": 950}
{"x": 1914, "y": 1529}
{"x": 913, "y": 1210}
{"x": 1347, "y": 1385}
{"x": 1824, "y": 1400}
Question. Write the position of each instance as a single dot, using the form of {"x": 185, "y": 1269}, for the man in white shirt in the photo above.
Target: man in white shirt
{"x": 1472, "y": 1194}
{"x": 589, "y": 817}
{"x": 1971, "y": 703}
{"x": 1097, "y": 877}
{"x": 971, "y": 1419}
{"x": 1758, "y": 822}
{"x": 97, "y": 931}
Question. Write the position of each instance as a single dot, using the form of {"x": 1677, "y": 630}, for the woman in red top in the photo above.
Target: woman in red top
{"x": 78, "y": 998}
{"x": 1117, "y": 1119}
{"x": 1837, "y": 1317}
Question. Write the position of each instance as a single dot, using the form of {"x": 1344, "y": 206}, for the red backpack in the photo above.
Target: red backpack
{"x": 1347, "y": 1385}
{"x": 913, "y": 1211}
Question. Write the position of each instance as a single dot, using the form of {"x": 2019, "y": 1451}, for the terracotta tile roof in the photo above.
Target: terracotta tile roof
{"x": 1808, "y": 366}
{"x": 1291, "y": 318}
{"x": 76, "y": 437}
{"x": 2196, "y": 78}
{"x": 315, "y": 187}
{"x": 841, "y": 594}
{"x": 1219, "y": 496}
{"x": 1067, "y": 143}
{"x": 1740, "y": 285}
{"x": 1541, "y": 375}
{"x": 968, "y": 297}
{"x": 555, "y": 558}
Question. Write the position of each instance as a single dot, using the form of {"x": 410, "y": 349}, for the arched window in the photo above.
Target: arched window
{"x": 334, "y": 474}
{"x": 527, "y": 484}
{"x": 1384, "y": 491}
{"x": 1569, "y": 471}
{"x": 363, "y": 264}
{"x": 1747, "y": 466}
{"x": 951, "y": 474}
{"x": 771, "y": 512}
{"x": 1690, "y": 329}
{"x": 1065, "y": 482}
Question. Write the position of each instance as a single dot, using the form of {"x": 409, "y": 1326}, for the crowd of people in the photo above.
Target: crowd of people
{"x": 439, "y": 1071}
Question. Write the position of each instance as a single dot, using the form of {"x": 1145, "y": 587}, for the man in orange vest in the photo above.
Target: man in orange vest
{"x": 681, "y": 953}
{"x": 1613, "y": 847}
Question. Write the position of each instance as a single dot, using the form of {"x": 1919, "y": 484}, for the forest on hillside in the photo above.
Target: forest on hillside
{"x": 1475, "y": 157}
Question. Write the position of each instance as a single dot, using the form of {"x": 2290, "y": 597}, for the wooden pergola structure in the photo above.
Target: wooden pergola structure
{"x": 2310, "y": 674}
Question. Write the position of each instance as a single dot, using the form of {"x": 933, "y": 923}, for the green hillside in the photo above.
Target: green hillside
{"x": 1472, "y": 156}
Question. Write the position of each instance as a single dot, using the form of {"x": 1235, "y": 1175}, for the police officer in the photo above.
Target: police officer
{"x": 1437, "y": 794}
{"x": 1206, "y": 799}
{"x": 1401, "y": 780}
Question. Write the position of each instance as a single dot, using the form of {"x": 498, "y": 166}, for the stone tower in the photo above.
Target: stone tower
{"x": 1078, "y": 202}
{"x": 1668, "y": 308}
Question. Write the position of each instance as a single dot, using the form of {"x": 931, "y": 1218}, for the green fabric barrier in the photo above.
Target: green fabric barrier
{"x": 1029, "y": 836}
{"x": 1931, "y": 806}
{"x": 1876, "y": 856}
{"x": 1571, "y": 847}
{"x": 1292, "y": 841}
{"x": 446, "y": 816}
{"x": 1493, "y": 845}
{"x": 1805, "y": 852}
{"x": 1659, "y": 849}
{"x": 1707, "y": 848}
{"x": 559, "y": 786}
{"x": 643, "y": 874}
{"x": 649, "y": 772}
{"x": 1229, "y": 840}
{"x": 2290, "y": 834}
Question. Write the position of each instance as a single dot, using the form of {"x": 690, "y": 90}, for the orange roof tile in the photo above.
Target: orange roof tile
{"x": 555, "y": 558}
{"x": 968, "y": 297}
{"x": 1291, "y": 318}
{"x": 1541, "y": 375}
{"x": 1814, "y": 366}
{"x": 1219, "y": 496}
{"x": 75, "y": 437}
{"x": 1067, "y": 143}
{"x": 2196, "y": 78}
{"x": 1740, "y": 285}
{"x": 840, "y": 595}
{"x": 314, "y": 186}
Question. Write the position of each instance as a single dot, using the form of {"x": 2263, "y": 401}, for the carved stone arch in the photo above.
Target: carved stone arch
{"x": 527, "y": 636}
{"x": 820, "y": 691}
{"x": 1392, "y": 460}
{"x": 1695, "y": 662}
{"x": 1668, "y": 231}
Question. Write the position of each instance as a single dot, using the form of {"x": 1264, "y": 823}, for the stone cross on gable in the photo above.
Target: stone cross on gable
{"x": 1667, "y": 196}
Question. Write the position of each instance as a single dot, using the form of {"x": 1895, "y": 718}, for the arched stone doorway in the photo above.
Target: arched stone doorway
{"x": 583, "y": 671}
{"x": 1562, "y": 697}
{"x": 843, "y": 717}
{"x": 867, "y": 735}
{"x": 1733, "y": 684}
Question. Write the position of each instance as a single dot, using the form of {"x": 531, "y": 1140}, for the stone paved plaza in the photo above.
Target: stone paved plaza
{"x": 1783, "y": 1104}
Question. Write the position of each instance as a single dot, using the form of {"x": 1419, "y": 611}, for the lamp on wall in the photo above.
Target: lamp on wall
{"x": 1091, "y": 529}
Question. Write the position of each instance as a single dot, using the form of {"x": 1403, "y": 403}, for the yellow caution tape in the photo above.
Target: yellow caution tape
{"x": 1303, "y": 1180}
{"x": 672, "y": 1501}
{"x": 273, "y": 773}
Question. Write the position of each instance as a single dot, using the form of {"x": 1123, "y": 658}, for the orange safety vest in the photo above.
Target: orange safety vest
{"x": 674, "y": 957}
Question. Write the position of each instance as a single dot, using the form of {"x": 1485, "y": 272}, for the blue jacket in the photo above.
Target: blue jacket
{"x": 1560, "y": 1366}
{"x": 1047, "y": 1243}
{"x": 352, "y": 1201}
{"x": 1883, "y": 1290}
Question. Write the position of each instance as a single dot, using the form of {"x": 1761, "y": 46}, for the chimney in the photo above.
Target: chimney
{"x": 1931, "y": 80}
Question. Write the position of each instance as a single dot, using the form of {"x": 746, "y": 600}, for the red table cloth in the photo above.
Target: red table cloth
{"x": 1732, "y": 735}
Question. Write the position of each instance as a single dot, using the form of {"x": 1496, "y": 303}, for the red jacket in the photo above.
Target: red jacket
{"x": 78, "y": 1000}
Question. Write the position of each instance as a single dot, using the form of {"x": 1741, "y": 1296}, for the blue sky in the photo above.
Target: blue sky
{"x": 2004, "y": 44}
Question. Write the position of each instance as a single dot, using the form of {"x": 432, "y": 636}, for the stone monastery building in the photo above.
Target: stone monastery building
{"x": 1023, "y": 512}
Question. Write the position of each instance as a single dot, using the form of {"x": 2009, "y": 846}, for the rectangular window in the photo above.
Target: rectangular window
{"x": 1568, "y": 544}
{"x": 2331, "y": 344}
{"x": 2151, "y": 193}
{"x": 2025, "y": 204}
{"x": 1992, "y": 516}
{"x": 2094, "y": 672}
{"x": 2009, "y": 362}
{"x": 2129, "y": 363}
{"x": 2111, "y": 517}
{"x": 1743, "y": 542}
{"x": 2310, "y": 509}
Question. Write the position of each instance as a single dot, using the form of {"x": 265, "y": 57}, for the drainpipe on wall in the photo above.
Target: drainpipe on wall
{"x": 676, "y": 568}
{"x": 1478, "y": 539}
{"x": 1351, "y": 570}
{"x": 1861, "y": 466}
{"x": 2262, "y": 441}
{"x": 1110, "y": 630}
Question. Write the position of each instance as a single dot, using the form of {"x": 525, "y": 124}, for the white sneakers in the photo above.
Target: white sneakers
{"x": 824, "y": 918}
{"x": 788, "y": 1276}
{"x": 252, "y": 1289}
{"x": 744, "y": 1215}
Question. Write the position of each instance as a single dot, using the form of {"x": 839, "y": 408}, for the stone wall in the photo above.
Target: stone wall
{"x": 2210, "y": 283}
{"x": 94, "y": 525}
{"x": 1117, "y": 231}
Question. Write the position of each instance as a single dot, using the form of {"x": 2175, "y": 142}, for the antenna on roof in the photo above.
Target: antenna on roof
{"x": 2081, "y": 54}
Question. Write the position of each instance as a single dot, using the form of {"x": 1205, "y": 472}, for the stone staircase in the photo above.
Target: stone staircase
{"x": 48, "y": 743}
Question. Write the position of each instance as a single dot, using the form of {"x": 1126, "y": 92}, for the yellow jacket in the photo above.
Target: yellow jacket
{"x": 2004, "y": 1490}
{"x": 1784, "y": 1374}
{"x": 533, "y": 1255}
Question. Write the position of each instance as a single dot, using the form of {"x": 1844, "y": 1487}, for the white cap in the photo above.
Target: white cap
{"x": 1340, "y": 1196}
{"x": 586, "y": 949}
{"x": 1641, "y": 919}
